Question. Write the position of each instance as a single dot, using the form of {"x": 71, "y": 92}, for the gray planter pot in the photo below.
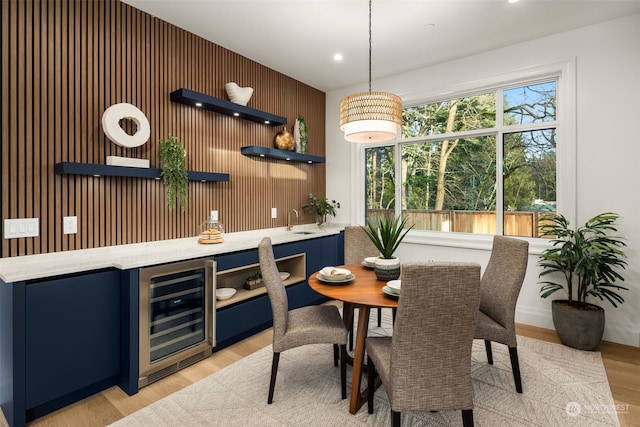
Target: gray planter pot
{"x": 580, "y": 328}
{"x": 387, "y": 269}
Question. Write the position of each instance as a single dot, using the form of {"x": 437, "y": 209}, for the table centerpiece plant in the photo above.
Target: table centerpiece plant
{"x": 386, "y": 235}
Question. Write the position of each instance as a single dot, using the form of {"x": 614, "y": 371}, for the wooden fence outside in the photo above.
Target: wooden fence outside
{"x": 523, "y": 224}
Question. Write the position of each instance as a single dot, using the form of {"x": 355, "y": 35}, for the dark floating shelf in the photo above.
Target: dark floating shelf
{"x": 70, "y": 168}
{"x": 257, "y": 151}
{"x": 211, "y": 103}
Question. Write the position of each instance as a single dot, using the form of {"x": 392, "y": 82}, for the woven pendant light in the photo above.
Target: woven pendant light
{"x": 370, "y": 116}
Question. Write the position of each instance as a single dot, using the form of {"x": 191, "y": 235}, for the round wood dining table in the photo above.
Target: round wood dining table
{"x": 363, "y": 292}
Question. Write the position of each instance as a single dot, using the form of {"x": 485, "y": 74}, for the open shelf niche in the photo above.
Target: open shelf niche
{"x": 235, "y": 278}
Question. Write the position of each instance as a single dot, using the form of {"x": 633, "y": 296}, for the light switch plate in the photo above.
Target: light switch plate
{"x": 70, "y": 225}
{"x": 21, "y": 227}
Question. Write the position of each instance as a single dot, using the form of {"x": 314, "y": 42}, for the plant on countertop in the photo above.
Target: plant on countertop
{"x": 387, "y": 234}
{"x": 321, "y": 207}
{"x": 174, "y": 173}
{"x": 587, "y": 255}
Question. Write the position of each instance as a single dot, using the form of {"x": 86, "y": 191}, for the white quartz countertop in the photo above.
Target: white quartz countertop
{"x": 136, "y": 255}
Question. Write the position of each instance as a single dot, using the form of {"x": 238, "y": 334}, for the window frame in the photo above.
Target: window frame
{"x": 564, "y": 72}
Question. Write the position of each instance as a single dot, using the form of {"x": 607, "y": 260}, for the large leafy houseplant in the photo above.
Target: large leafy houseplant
{"x": 174, "y": 171}
{"x": 321, "y": 207}
{"x": 387, "y": 234}
{"x": 588, "y": 259}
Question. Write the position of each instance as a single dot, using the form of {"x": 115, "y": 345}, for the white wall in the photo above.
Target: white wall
{"x": 608, "y": 149}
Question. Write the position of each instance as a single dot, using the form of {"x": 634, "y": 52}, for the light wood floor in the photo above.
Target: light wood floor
{"x": 622, "y": 364}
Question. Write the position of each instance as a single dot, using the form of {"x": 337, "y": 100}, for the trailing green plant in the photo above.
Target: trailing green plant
{"x": 321, "y": 207}
{"x": 387, "y": 234}
{"x": 174, "y": 171}
{"x": 587, "y": 257}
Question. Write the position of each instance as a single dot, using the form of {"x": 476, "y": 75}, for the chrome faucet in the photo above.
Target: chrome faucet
{"x": 289, "y": 226}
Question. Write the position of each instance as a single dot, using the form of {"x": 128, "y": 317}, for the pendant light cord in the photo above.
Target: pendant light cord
{"x": 370, "y": 45}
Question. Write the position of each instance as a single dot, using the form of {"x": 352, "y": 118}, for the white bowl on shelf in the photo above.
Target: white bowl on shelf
{"x": 225, "y": 293}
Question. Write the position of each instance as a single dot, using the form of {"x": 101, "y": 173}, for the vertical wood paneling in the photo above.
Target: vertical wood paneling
{"x": 70, "y": 60}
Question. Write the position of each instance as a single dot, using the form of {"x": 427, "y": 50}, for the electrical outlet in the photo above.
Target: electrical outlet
{"x": 274, "y": 213}
{"x": 70, "y": 225}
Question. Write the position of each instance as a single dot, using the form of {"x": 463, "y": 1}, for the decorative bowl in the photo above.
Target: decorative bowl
{"x": 225, "y": 293}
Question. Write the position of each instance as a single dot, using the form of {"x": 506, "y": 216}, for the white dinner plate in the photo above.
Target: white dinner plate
{"x": 336, "y": 280}
{"x": 395, "y": 285}
{"x": 369, "y": 261}
{"x": 388, "y": 291}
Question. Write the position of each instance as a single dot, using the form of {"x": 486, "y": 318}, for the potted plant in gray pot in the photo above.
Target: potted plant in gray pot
{"x": 386, "y": 235}
{"x": 589, "y": 260}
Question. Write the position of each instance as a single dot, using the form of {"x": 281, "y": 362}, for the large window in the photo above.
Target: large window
{"x": 483, "y": 164}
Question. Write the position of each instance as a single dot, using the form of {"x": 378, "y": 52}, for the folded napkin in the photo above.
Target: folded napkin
{"x": 334, "y": 272}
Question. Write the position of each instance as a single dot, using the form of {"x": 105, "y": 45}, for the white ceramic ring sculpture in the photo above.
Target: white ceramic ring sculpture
{"x": 111, "y": 125}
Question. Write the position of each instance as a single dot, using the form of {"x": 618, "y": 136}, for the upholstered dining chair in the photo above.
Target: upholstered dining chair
{"x": 318, "y": 324}
{"x": 426, "y": 364}
{"x": 499, "y": 290}
{"x": 357, "y": 247}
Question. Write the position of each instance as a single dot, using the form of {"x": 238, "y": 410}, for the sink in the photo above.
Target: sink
{"x": 304, "y": 232}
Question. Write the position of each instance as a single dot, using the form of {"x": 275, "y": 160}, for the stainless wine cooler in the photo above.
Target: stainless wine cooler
{"x": 177, "y": 317}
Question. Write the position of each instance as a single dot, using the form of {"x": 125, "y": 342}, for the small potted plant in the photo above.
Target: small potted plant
{"x": 321, "y": 207}
{"x": 588, "y": 258}
{"x": 254, "y": 281}
{"x": 387, "y": 235}
{"x": 174, "y": 171}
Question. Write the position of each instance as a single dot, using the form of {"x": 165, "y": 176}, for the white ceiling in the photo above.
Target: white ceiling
{"x": 300, "y": 37}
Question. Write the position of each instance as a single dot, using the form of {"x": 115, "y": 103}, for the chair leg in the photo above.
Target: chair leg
{"x": 467, "y": 417}
{"x": 343, "y": 370}
{"x": 487, "y": 345}
{"x": 371, "y": 378}
{"x": 515, "y": 367}
{"x": 395, "y": 418}
{"x": 335, "y": 355}
{"x": 393, "y": 315}
{"x": 379, "y": 316}
{"x": 274, "y": 372}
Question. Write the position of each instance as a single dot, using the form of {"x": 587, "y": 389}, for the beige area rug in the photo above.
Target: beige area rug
{"x": 562, "y": 387}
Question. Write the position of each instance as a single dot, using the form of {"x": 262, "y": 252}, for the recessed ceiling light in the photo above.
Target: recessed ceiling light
{"x": 338, "y": 57}
{"x": 514, "y": 1}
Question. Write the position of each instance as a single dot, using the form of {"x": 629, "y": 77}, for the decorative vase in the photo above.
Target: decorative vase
{"x": 577, "y": 327}
{"x": 284, "y": 141}
{"x": 238, "y": 95}
{"x": 387, "y": 268}
{"x": 321, "y": 220}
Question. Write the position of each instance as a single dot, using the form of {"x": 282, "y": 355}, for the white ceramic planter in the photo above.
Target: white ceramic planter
{"x": 387, "y": 269}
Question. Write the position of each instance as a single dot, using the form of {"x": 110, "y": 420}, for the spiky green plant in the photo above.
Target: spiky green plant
{"x": 174, "y": 171}
{"x": 587, "y": 254}
{"x": 387, "y": 234}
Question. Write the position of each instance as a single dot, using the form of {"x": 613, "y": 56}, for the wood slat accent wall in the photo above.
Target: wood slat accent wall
{"x": 65, "y": 62}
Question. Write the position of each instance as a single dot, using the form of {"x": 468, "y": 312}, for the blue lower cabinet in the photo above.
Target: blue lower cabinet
{"x": 72, "y": 339}
{"x": 239, "y": 321}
